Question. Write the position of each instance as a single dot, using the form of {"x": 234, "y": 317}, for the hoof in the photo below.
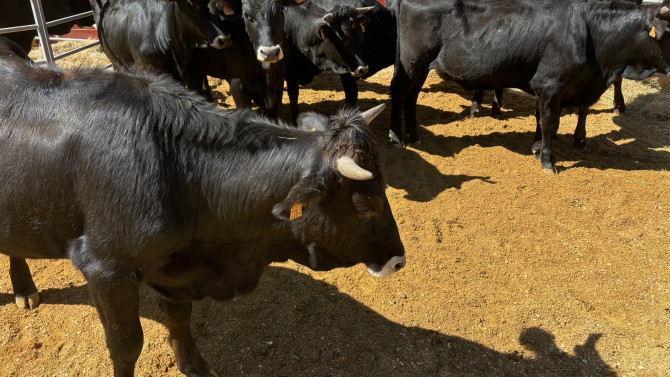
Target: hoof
{"x": 579, "y": 143}
{"x": 620, "y": 110}
{"x": 395, "y": 140}
{"x": 495, "y": 111}
{"x": 415, "y": 143}
{"x": 549, "y": 169}
{"x": 30, "y": 302}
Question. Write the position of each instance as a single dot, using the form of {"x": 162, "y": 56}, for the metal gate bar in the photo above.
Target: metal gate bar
{"x": 43, "y": 34}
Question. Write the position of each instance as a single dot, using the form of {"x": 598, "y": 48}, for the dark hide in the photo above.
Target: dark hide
{"x": 19, "y": 12}
{"x": 379, "y": 42}
{"x": 155, "y": 35}
{"x": 566, "y": 53}
{"x": 319, "y": 45}
{"x": 264, "y": 24}
{"x": 135, "y": 180}
{"x": 236, "y": 64}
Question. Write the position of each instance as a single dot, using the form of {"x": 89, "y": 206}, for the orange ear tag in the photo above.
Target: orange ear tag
{"x": 296, "y": 211}
{"x": 652, "y": 33}
{"x": 363, "y": 27}
{"x": 322, "y": 36}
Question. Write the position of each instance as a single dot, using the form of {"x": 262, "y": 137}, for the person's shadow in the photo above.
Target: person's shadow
{"x": 294, "y": 325}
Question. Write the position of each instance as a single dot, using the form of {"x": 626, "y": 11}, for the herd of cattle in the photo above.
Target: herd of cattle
{"x": 136, "y": 179}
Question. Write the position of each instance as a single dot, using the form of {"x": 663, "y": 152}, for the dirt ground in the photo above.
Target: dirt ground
{"x": 511, "y": 271}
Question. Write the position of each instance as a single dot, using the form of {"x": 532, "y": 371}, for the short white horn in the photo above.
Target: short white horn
{"x": 371, "y": 114}
{"x": 364, "y": 10}
{"x": 348, "y": 168}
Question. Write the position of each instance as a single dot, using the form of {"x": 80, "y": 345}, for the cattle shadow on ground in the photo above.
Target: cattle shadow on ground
{"x": 602, "y": 152}
{"x": 268, "y": 331}
{"x": 405, "y": 169}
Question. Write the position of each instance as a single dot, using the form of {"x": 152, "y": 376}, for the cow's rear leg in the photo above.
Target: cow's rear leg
{"x": 25, "y": 291}
{"x": 497, "y": 102}
{"x": 293, "y": 90}
{"x": 619, "y": 102}
{"x": 189, "y": 361}
{"x": 476, "y": 102}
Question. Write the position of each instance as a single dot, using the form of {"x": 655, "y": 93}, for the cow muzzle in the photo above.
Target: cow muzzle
{"x": 393, "y": 265}
{"x": 221, "y": 42}
{"x": 270, "y": 54}
{"x": 360, "y": 71}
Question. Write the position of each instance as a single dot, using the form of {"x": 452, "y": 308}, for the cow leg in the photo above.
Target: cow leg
{"x": 400, "y": 87}
{"x": 350, "y": 89}
{"x": 240, "y": 95}
{"x": 189, "y": 361}
{"x": 25, "y": 291}
{"x": 476, "y": 102}
{"x": 549, "y": 115}
{"x": 293, "y": 90}
{"x": 117, "y": 301}
{"x": 619, "y": 103}
{"x": 497, "y": 102}
{"x": 410, "y": 109}
{"x": 579, "y": 137}
{"x": 537, "y": 140}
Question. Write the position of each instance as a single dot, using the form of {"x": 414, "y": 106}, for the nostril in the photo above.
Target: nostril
{"x": 399, "y": 265}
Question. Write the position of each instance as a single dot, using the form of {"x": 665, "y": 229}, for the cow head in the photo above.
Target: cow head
{"x": 264, "y": 22}
{"x": 653, "y": 51}
{"x": 203, "y": 19}
{"x": 343, "y": 27}
{"x": 339, "y": 209}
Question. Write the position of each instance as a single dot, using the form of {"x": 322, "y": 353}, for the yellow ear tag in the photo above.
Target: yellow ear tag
{"x": 313, "y": 129}
{"x": 296, "y": 211}
{"x": 652, "y": 33}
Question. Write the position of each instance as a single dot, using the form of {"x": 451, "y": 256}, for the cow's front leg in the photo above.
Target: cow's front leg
{"x": 293, "y": 90}
{"x": 25, "y": 292}
{"x": 116, "y": 299}
{"x": 350, "y": 89}
{"x": 579, "y": 137}
{"x": 619, "y": 102}
{"x": 189, "y": 361}
{"x": 549, "y": 117}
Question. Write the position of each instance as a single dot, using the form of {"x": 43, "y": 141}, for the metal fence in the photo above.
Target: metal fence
{"x": 41, "y": 26}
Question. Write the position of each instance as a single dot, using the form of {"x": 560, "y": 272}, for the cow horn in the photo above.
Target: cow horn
{"x": 329, "y": 17}
{"x": 364, "y": 10}
{"x": 348, "y": 168}
{"x": 370, "y": 115}
{"x": 665, "y": 11}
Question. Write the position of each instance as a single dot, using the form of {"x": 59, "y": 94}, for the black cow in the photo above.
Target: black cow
{"x": 379, "y": 41}
{"x": 619, "y": 103}
{"x": 11, "y": 50}
{"x": 19, "y": 12}
{"x": 264, "y": 24}
{"x": 566, "y": 53}
{"x": 323, "y": 40}
{"x": 157, "y": 35}
{"x": 236, "y": 64}
{"x": 135, "y": 180}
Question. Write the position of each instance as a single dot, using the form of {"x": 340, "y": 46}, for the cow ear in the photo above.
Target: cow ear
{"x": 656, "y": 28}
{"x": 226, "y": 6}
{"x": 322, "y": 30}
{"x": 303, "y": 195}
{"x": 364, "y": 21}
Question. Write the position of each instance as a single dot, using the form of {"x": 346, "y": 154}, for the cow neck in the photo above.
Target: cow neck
{"x": 239, "y": 165}
{"x": 611, "y": 32}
